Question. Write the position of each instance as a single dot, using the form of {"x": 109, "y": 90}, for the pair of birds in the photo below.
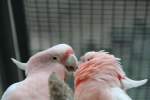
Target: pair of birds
{"x": 98, "y": 76}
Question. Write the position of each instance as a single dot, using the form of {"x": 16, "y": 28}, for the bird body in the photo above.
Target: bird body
{"x": 33, "y": 88}
{"x": 100, "y": 77}
{"x": 96, "y": 91}
{"x": 58, "y": 59}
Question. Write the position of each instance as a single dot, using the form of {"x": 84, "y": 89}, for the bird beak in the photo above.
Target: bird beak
{"x": 71, "y": 63}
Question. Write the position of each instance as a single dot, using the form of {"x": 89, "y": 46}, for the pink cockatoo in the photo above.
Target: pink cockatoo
{"x": 39, "y": 67}
{"x": 101, "y": 77}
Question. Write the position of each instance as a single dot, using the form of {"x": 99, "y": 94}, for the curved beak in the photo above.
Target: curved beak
{"x": 71, "y": 63}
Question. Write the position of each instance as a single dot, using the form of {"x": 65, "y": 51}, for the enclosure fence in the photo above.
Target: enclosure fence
{"x": 121, "y": 27}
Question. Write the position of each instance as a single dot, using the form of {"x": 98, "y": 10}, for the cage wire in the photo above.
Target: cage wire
{"x": 121, "y": 27}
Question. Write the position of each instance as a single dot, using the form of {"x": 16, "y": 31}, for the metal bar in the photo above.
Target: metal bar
{"x": 81, "y": 27}
{"x": 113, "y": 24}
{"x": 123, "y": 30}
{"x": 39, "y": 26}
{"x": 49, "y": 21}
{"x": 21, "y": 31}
{"x": 70, "y": 23}
{"x": 102, "y": 24}
{"x": 132, "y": 55}
{"x": 9, "y": 70}
{"x": 143, "y": 47}
{"x": 59, "y": 21}
{"x": 15, "y": 39}
{"x": 132, "y": 41}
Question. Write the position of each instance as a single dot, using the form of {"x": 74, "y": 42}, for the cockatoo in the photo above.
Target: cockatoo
{"x": 58, "y": 59}
{"x": 100, "y": 77}
{"x": 58, "y": 89}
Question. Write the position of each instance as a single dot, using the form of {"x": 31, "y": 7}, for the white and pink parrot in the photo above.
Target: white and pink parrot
{"x": 39, "y": 67}
{"x": 101, "y": 77}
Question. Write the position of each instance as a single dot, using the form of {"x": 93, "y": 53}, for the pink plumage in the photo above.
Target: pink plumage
{"x": 58, "y": 59}
{"x": 100, "y": 65}
{"x": 99, "y": 77}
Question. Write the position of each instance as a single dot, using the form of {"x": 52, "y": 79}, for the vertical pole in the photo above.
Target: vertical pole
{"x": 7, "y": 69}
{"x": 20, "y": 36}
{"x": 13, "y": 40}
{"x": 21, "y": 28}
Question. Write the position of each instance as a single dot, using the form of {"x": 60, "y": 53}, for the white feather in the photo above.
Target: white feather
{"x": 19, "y": 64}
{"x": 128, "y": 83}
{"x": 7, "y": 94}
{"x": 119, "y": 94}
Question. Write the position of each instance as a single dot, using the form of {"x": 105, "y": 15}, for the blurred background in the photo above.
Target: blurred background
{"x": 121, "y": 27}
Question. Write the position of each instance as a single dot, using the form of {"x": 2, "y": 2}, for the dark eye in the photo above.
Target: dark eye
{"x": 88, "y": 59}
{"x": 54, "y": 58}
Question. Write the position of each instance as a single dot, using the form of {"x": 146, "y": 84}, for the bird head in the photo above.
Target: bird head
{"x": 61, "y": 55}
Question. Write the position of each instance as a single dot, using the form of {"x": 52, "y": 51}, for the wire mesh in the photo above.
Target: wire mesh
{"x": 119, "y": 26}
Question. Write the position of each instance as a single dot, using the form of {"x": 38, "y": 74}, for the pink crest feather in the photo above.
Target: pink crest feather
{"x": 97, "y": 66}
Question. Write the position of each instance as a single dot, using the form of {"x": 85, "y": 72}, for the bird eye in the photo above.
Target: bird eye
{"x": 54, "y": 58}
